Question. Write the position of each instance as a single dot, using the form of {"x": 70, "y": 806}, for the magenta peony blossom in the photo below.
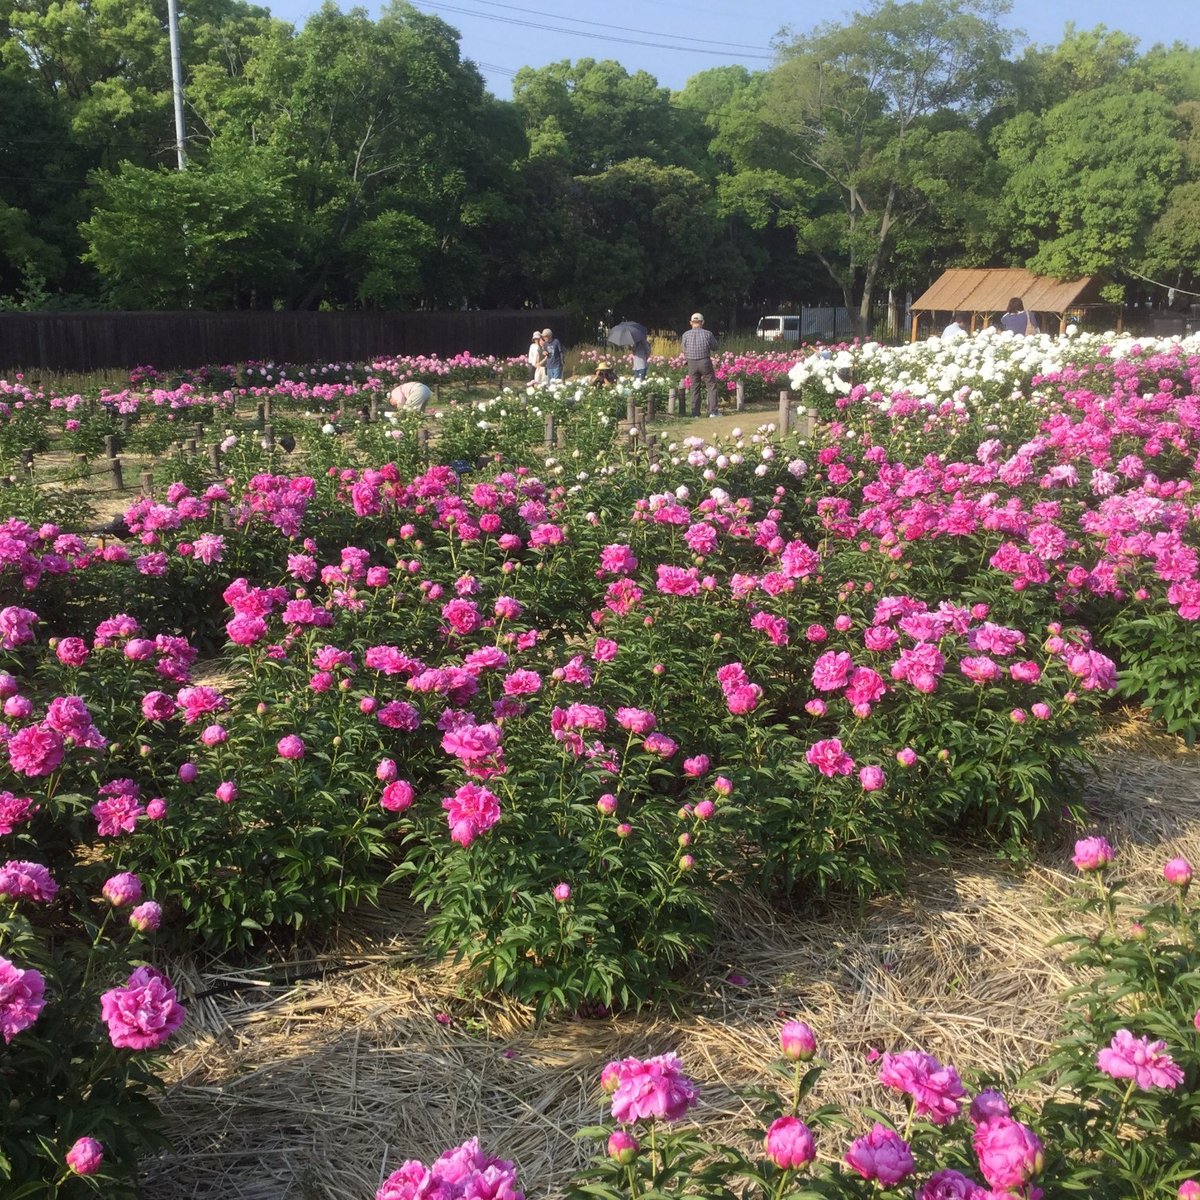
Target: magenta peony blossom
{"x": 22, "y": 998}
{"x": 948, "y": 1185}
{"x": 797, "y": 1041}
{"x": 1139, "y": 1059}
{"x": 290, "y": 746}
{"x": 121, "y": 889}
{"x": 1009, "y": 1153}
{"x": 397, "y": 795}
{"x": 636, "y": 720}
{"x": 21, "y": 880}
{"x": 562, "y": 892}
{"x": 623, "y": 1147}
{"x": 142, "y": 1014}
{"x": 656, "y": 1089}
{"x": 85, "y": 1156}
{"x": 14, "y": 811}
{"x": 36, "y": 750}
{"x": 1178, "y": 872}
{"x": 936, "y": 1090}
{"x": 881, "y": 1155}
{"x": 829, "y": 758}
{"x": 906, "y": 756}
{"x": 146, "y": 917}
{"x": 1189, "y": 1189}
{"x": 989, "y": 1103}
{"x": 871, "y": 778}
{"x": 472, "y": 810}
{"x": 1092, "y": 854}
{"x": 789, "y": 1144}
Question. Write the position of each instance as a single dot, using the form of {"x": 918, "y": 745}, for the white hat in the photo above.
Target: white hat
{"x": 537, "y": 333}
{"x": 547, "y": 333}
{"x": 698, "y": 317}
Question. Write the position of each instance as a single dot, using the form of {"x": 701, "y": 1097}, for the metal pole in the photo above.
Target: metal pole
{"x": 177, "y": 84}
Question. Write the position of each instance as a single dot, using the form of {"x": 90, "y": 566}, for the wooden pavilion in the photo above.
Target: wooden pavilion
{"x": 984, "y": 293}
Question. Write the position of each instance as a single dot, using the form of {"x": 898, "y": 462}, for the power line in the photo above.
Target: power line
{"x": 680, "y": 37}
{"x": 583, "y": 33}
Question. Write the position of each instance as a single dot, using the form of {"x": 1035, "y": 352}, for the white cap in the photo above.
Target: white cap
{"x": 698, "y": 317}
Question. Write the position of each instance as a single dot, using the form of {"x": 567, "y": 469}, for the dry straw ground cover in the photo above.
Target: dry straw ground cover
{"x": 318, "y": 1088}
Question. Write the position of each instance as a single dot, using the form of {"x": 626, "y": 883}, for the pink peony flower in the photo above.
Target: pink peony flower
{"x": 789, "y": 1144}
{"x": 121, "y": 889}
{"x": 146, "y": 917}
{"x": 22, "y": 998}
{"x": 948, "y": 1185}
{"x": 881, "y": 1155}
{"x": 1009, "y": 1153}
{"x": 397, "y": 796}
{"x": 989, "y": 1103}
{"x": 623, "y": 1147}
{"x": 936, "y": 1090}
{"x": 797, "y": 1041}
{"x": 829, "y": 758}
{"x": 14, "y": 811}
{"x": 472, "y": 810}
{"x": 696, "y": 766}
{"x": 142, "y": 1014}
{"x": 906, "y": 756}
{"x": 85, "y": 1156}
{"x": 656, "y": 1089}
{"x": 1139, "y": 1059}
{"x": 1178, "y": 872}
{"x": 36, "y": 750}
{"x": 21, "y": 880}
{"x": 871, "y": 778}
{"x": 562, "y": 892}
{"x": 290, "y": 746}
{"x": 1092, "y": 854}
{"x": 1189, "y": 1189}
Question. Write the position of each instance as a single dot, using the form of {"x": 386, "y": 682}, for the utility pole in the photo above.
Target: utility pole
{"x": 177, "y": 84}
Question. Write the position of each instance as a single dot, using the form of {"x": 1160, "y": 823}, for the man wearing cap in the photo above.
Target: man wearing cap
{"x": 554, "y": 354}
{"x": 699, "y": 345}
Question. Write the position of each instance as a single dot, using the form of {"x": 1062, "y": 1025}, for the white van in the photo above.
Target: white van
{"x": 779, "y": 329}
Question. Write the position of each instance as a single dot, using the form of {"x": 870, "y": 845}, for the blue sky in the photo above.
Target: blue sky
{"x": 674, "y": 40}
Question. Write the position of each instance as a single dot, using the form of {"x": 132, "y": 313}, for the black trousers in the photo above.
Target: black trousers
{"x": 701, "y": 368}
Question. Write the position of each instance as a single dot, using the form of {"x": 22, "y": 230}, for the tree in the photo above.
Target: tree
{"x": 208, "y": 237}
{"x": 1087, "y": 179}
{"x": 865, "y": 109}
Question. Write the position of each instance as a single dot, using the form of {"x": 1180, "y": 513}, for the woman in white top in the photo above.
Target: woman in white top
{"x": 537, "y": 358}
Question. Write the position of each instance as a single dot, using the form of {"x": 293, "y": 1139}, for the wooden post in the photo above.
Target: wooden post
{"x": 266, "y": 408}
{"x": 126, "y": 420}
{"x": 672, "y": 402}
{"x": 214, "y": 458}
{"x": 650, "y": 407}
{"x": 804, "y": 424}
{"x": 27, "y": 461}
{"x": 785, "y": 413}
{"x": 199, "y": 431}
{"x": 550, "y": 432}
{"x": 630, "y": 411}
{"x": 915, "y": 319}
{"x": 374, "y": 408}
{"x": 147, "y": 482}
{"x": 81, "y": 462}
{"x": 193, "y": 447}
{"x": 268, "y": 438}
{"x": 423, "y": 442}
{"x": 118, "y": 477}
{"x": 110, "y": 445}
{"x": 260, "y": 418}
{"x": 740, "y": 405}
{"x": 652, "y": 447}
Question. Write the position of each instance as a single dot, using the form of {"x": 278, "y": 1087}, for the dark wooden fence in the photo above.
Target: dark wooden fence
{"x": 88, "y": 341}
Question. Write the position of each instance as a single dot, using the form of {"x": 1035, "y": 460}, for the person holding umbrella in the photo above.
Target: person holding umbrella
{"x": 699, "y": 345}
{"x": 633, "y": 334}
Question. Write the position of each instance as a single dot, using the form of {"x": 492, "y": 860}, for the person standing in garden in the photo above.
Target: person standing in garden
{"x": 1017, "y": 320}
{"x": 641, "y": 357}
{"x": 554, "y": 354}
{"x": 537, "y": 359}
{"x": 699, "y": 345}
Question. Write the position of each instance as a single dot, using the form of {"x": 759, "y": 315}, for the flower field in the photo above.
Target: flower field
{"x": 573, "y": 682}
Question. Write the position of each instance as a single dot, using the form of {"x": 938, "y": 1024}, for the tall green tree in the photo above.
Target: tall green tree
{"x": 865, "y": 111}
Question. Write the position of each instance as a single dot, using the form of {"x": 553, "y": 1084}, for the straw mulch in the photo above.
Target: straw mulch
{"x": 318, "y": 1087}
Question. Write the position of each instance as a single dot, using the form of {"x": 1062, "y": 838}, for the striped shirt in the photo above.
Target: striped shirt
{"x": 698, "y": 343}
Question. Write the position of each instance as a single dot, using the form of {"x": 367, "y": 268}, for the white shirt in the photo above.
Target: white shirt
{"x": 953, "y": 332}
{"x": 535, "y": 353}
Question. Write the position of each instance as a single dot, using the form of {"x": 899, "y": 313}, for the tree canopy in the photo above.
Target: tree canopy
{"x": 359, "y": 161}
